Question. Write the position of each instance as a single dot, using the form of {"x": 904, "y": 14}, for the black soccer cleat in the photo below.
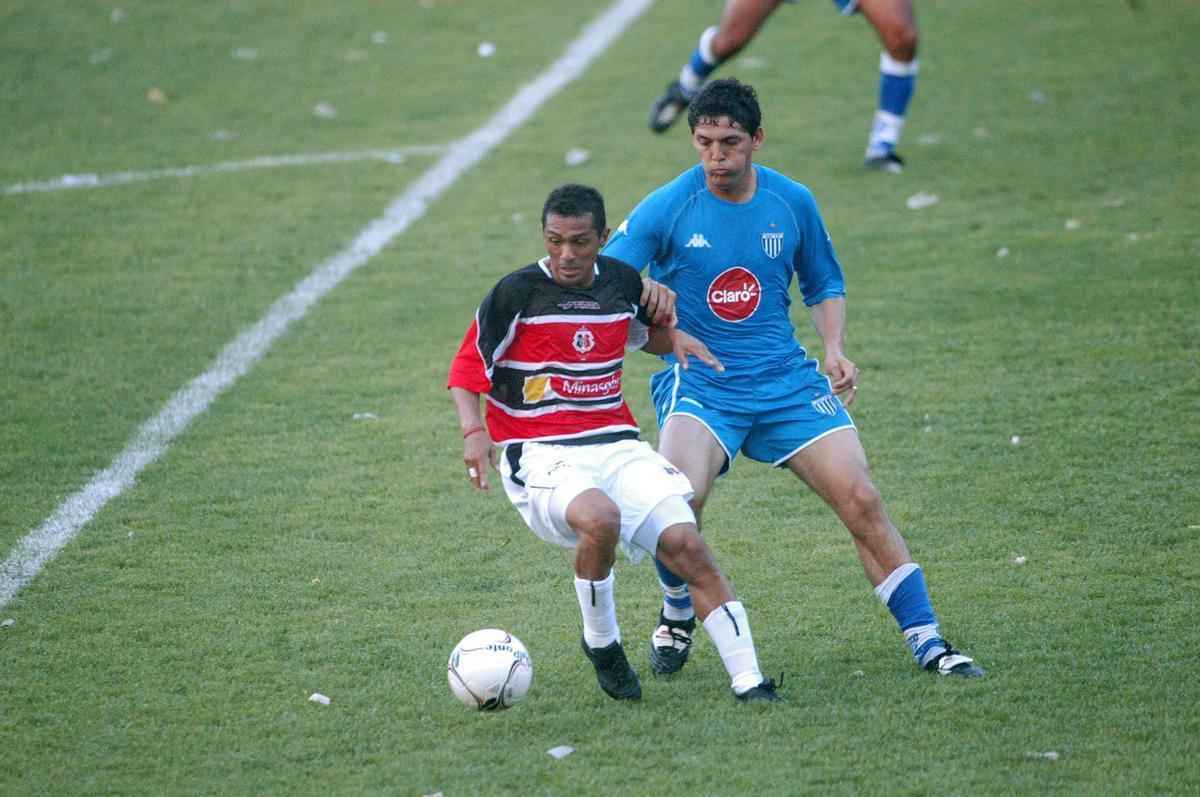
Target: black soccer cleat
{"x": 667, "y": 108}
{"x": 889, "y": 162}
{"x": 670, "y": 644}
{"x": 951, "y": 662}
{"x": 616, "y": 677}
{"x": 763, "y": 693}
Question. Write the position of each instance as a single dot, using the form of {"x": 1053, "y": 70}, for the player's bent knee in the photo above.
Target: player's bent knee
{"x": 863, "y": 501}
{"x": 594, "y": 517}
{"x": 683, "y": 550}
{"x": 900, "y": 41}
{"x": 667, "y": 514}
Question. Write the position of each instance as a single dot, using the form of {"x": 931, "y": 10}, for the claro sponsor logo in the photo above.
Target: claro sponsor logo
{"x": 551, "y": 386}
{"x": 734, "y": 295}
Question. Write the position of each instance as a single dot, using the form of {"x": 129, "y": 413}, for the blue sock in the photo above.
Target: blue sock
{"x": 700, "y": 65}
{"x": 907, "y": 598}
{"x": 677, "y": 601}
{"x": 895, "y": 92}
{"x": 897, "y": 82}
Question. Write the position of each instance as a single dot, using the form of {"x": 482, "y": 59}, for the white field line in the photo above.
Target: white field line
{"x": 90, "y": 180}
{"x": 37, "y": 548}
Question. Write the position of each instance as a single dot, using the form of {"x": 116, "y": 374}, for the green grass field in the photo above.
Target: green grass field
{"x": 282, "y": 546}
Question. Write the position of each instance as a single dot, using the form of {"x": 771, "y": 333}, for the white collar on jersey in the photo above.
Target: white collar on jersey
{"x": 544, "y": 264}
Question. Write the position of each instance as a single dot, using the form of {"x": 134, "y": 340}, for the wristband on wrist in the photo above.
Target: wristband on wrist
{"x": 472, "y": 431}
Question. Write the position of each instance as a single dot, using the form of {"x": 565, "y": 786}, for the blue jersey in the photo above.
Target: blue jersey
{"x": 732, "y": 264}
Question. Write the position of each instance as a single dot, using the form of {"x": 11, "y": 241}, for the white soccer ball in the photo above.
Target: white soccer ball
{"x": 490, "y": 670}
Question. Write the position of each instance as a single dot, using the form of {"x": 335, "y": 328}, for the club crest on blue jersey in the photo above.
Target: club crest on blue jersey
{"x": 772, "y": 244}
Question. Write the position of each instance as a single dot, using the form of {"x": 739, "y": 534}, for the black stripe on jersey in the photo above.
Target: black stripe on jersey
{"x": 591, "y": 440}
{"x": 512, "y": 451}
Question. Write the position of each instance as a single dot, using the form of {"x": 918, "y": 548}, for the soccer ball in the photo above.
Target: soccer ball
{"x": 490, "y": 670}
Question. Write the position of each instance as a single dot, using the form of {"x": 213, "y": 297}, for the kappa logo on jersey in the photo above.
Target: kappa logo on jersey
{"x": 583, "y": 340}
{"x": 551, "y": 386}
{"x": 772, "y": 244}
{"x": 734, "y": 295}
{"x": 697, "y": 241}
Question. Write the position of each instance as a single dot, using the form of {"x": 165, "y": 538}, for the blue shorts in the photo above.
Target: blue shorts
{"x": 768, "y": 416}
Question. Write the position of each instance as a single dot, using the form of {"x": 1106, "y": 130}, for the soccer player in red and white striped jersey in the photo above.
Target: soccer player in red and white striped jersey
{"x": 546, "y": 350}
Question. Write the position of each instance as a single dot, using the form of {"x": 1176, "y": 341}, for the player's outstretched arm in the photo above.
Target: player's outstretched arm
{"x": 477, "y": 444}
{"x": 672, "y": 340}
{"x": 829, "y": 318}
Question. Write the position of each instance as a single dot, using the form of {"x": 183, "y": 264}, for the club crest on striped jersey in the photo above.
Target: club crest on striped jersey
{"x": 544, "y": 387}
{"x": 772, "y": 244}
{"x": 583, "y": 340}
{"x": 734, "y": 294}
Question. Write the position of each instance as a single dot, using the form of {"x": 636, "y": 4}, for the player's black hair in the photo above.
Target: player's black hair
{"x": 727, "y": 97}
{"x": 576, "y": 200}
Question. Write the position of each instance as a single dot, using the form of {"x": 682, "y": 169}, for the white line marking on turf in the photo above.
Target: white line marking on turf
{"x": 37, "y": 548}
{"x": 90, "y": 180}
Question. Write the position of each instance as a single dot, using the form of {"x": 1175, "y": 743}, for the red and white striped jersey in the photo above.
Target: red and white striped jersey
{"x": 549, "y": 358}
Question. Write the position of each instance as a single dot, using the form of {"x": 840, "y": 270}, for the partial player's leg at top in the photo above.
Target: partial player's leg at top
{"x": 896, "y": 24}
{"x": 740, "y": 21}
{"x": 893, "y": 20}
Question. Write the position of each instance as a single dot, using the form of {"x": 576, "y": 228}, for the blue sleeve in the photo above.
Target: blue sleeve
{"x": 637, "y": 240}
{"x": 817, "y": 269}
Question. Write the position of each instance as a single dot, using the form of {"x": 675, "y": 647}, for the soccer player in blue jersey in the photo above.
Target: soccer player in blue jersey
{"x": 894, "y": 21}
{"x": 727, "y": 236}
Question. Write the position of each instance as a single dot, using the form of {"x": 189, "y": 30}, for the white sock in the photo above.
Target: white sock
{"x": 700, "y": 66}
{"x": 729, "y": 629}
{"x": 897, "y": 81}
{"x": 599, "y": 611}
{"x": 689, "y": 81}
{"x": 889, "y": 584}
{"x": 885, "y": 132}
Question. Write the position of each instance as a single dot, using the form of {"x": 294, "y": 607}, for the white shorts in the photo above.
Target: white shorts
{"x": 635, "y": 476}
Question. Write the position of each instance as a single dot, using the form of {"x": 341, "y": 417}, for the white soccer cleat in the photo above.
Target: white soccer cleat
{"x": 670, "y": 644}
{"x": 954, "y": 663}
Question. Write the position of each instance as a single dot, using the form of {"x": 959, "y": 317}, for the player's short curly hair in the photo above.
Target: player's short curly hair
{"x": 575, "y": 200}
{"x": 727, "y": 97}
